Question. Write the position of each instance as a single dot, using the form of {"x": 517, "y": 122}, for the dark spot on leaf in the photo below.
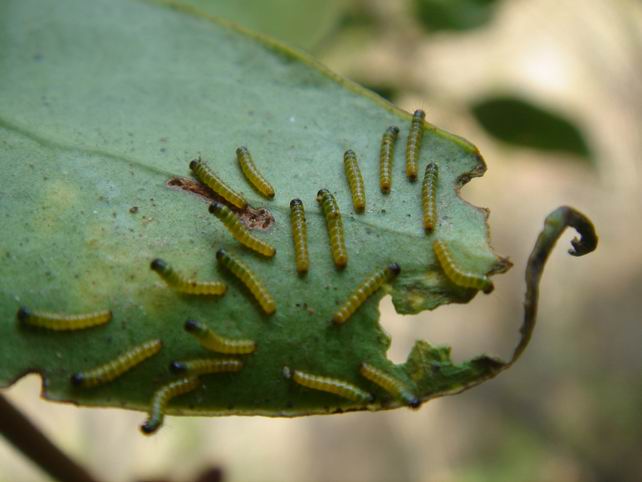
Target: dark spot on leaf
{"x": 257, "y": 219}
{"x": 133, "y": 209}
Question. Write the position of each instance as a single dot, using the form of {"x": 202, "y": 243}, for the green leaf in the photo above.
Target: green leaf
{"x": 519, "y": 122}
{"x": 102, "y": 106}
{"x": 439, "y": 15}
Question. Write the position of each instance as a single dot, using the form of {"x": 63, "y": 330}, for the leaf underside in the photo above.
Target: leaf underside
{"x": 103, "y": 104}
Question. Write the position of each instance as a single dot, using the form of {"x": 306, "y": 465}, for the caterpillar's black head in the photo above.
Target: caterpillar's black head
{"x": 23, "y": 314}
{"x": 215, "y": 207}
{"x": 149, "y": 427}
{"x": 394, "y": 269}
{"x": 177, "y": 367}
{"x": 77, "y": 379}
{"x": 192, "y": 325}
{"x": 158, "y": 265}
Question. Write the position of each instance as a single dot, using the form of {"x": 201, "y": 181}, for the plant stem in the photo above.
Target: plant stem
{"x": 26, "y": 437}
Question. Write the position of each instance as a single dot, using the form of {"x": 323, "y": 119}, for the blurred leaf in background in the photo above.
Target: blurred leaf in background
{"x": 436, "y": 15}
{"x": 299, "y": 24}
{"x": 519, "y": 122}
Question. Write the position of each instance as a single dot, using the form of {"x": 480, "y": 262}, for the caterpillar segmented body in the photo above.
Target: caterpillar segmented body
{"x": 462, "y": 278}
{"x": 335, "y": 227}
{"x": 58, "y": 322}
{"x": 355, "y": 180}
{"x": 389, "y": 383}
{"x": 328, "y": 204}
{"x": 183, "y": 285}
{"x": 364, "y": 291}
{"x": 118, "y": 366}
{"x": 162, "y": 397}
{"x": 429, "y": 196}
{"x": 211, "y": 340}
{"x": 413, "y": 146}
{"x": 331, "y": 385}
{"x": 252, "y": 174}
{"x": 299, "y": 236}
{"x": 211, "y": 180}
{"x": 249, "y": 279}
{"x": 206, "y": 366}
{"x": 387, "y": 157}
{"x": 240, "y": 232}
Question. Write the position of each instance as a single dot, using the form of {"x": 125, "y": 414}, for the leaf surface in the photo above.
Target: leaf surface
{"x": 102, "y": 106}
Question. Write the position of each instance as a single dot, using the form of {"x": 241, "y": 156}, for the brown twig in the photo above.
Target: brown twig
{"x": 554, "y": 225}
{"x": 26, "y": 437}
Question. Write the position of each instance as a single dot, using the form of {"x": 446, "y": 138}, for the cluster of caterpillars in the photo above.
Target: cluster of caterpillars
{"x": 190, "y": 371}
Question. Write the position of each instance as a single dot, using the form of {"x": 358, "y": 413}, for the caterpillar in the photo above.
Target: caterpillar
{"x": 161, "y": 398}
{"x": 299, "y": 236}
{"x": 390, "y": 384}
{"x": 252, "y": 173}
{"x": 118, "y": 366}
{"x": 456, "y": 275}
{"x": 249, "y": 279}
{"x": 211, "y": 180}
{"x": 335, "y": 227}
{"x": 58, "y": 322}
{"x": 387, "y": 157}
{"x": 240, "y": 232}
{"x": 328, "y": 203}
{"x": 330, "y": 385}
{"x": 206, "y": 366}
{"x": 413, "y": 146}
{"x": 211, "y": 340}
{"x": 429, "y": 196}
{"x": 184, "y": 285}
{"x": 355, "y": 180}
{"x": 364, "y": 291}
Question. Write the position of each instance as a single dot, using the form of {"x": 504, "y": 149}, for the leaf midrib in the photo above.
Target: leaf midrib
{"x": 49, "y": 143}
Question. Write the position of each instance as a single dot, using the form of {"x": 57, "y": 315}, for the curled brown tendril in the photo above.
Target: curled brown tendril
{"x": 554, "y": 225}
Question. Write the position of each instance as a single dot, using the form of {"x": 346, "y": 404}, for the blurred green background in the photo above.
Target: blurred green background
{"x": 550, "y": 92}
